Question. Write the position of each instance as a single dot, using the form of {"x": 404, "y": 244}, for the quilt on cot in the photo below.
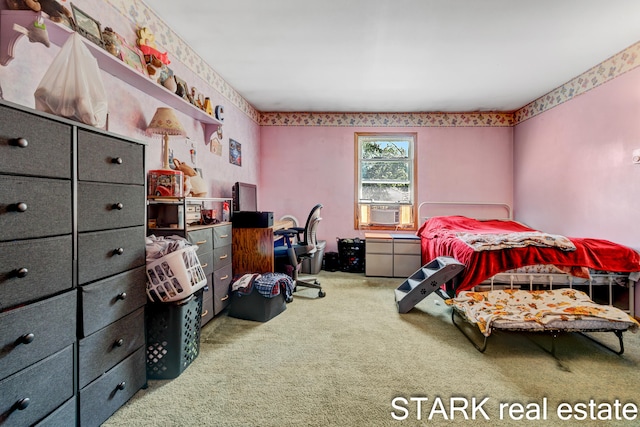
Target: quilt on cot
{"x": 542, "y": 307}
{"x": 449, "y": 236}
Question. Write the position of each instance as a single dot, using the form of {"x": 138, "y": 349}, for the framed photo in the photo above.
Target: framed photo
{"x": 133, "y": 57}
{"x": 235, "y": 152}
{"x": 87, "y": 26}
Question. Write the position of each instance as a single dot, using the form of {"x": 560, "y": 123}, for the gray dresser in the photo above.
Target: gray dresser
{"x": 72, "y": 281}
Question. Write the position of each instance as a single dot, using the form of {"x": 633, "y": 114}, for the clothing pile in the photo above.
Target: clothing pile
{"x": 268, "y": 285}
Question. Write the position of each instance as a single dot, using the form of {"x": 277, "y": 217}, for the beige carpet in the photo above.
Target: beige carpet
{"x": 342, "y": 359}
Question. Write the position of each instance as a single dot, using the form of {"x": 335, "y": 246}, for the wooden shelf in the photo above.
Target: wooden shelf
{"x": 58, "y": 35}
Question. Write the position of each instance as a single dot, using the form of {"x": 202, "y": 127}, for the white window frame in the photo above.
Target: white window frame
{"x": 386, "y": 215}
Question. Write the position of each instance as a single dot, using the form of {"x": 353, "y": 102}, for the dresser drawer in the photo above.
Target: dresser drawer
{"x": 33, "y": 269}
{"x": 206, "y": 262}
{"x": 221, "y": 257}
{"x": 42, "y": 387}
{"x": 48, "y": 150}
{"x": 108, "y": 300}
{"x": 34, "y": 207}
{"x": 64, "y": 416}
{"x": 104, "y": 206}
{"x": 222, "y": 236}
{"x": 203, "y": 238}
{"x": 104, "y": 253}
{"x": 103, "y": 350}
{"x": 410, "y": 247}
{"x": 207, "y": 301}
{"x": 49, "y": 324}
{"x": 100, "y": 399}
{"x": 104, "y": 158}
{"x": 221, "y": 283}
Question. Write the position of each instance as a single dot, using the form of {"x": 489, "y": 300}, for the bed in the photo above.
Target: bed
{"x": 509, "y": 268}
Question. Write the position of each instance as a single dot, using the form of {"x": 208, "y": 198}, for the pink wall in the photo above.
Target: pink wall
{"x": 130, "y": 110}
{"x": 305, "y": 165}
{"x": 572, "y": 164}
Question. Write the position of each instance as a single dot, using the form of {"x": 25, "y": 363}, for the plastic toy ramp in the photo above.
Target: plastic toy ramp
{"x": 425, "y": 281}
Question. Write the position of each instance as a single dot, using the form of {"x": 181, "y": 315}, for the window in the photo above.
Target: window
{"x": 385, "y": 181}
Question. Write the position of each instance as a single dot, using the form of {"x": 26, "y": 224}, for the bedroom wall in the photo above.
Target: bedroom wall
{"x": 573, "y": 172}
{"x": 305, "y": 165}
{"x": 130, "y": 110}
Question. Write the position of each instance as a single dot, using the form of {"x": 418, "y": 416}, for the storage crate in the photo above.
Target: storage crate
{"x": 173, "y": 336}
{"x": 175, "y": 276}
{"x": 352, "y": 255}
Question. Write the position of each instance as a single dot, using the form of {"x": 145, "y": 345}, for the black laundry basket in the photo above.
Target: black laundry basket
{"x": 173, "y": 336}
{"x": 351, "y": 253}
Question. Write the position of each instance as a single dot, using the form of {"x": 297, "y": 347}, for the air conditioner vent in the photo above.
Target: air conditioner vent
{"x": 385, "y": 216}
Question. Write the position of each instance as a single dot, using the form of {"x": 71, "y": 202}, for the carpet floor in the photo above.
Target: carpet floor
{"x": 350, "y": 359}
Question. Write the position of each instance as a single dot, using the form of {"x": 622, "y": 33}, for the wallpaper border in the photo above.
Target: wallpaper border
{"x": 140, "y": 13}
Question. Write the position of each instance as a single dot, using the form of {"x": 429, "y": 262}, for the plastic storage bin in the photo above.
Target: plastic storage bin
{"x": 352, "y": 253}
{"x": 173, "y": 336}
{"x": 314, "y": 265}
{"x": 255, "y": 306}
{"x": 175, "y": 276}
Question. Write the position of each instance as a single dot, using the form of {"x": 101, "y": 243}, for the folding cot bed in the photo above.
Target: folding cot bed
{"x": 515, "y": 278}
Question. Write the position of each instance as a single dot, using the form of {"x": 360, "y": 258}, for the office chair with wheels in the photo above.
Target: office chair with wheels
{"x": 300, "y": 243}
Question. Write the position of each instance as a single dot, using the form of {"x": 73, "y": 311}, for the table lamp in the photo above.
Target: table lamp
{"x": 165, "y": 122}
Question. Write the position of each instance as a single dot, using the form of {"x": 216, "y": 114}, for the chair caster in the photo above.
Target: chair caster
{"x": 288, "y": 300}
{"x": 321, "y": 293}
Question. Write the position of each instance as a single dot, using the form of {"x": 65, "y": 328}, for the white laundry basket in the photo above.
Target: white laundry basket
{"x": 175, "y": 276}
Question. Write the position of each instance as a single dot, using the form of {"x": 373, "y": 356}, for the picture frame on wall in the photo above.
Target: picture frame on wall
{"x": 132, "y": 56}
{"x": 87, "y": 26}
{"x": 235, "y": 152}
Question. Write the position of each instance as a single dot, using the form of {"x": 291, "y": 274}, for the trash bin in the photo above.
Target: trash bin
{"x": 314, "y": 265}
{"x": 173, "y": 336}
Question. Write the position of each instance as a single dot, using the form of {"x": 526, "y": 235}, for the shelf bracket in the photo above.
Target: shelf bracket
{"x": 8, "y": 36}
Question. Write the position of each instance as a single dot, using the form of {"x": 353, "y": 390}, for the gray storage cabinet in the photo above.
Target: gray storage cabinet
{"x": 72, "y": 279}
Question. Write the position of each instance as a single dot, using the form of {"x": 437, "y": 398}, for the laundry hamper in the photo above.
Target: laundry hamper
{"x": 175, "y": 276}
{"x": 173, "y": 336}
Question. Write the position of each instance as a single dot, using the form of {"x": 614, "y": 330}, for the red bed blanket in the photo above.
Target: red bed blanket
{"x": 440, "y": 237}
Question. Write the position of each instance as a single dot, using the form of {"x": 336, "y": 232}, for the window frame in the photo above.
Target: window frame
{"x": 362, "y": 209}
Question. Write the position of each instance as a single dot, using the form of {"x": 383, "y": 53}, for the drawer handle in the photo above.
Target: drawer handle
{"x": 118, "y": 251}
{"x": 22, "y": 272}
{"x": 205, "y": 265}
{"x": 225, "y": 256}
{"x": 18, "y": 207}
{"x": 22, "y": 404}
{"x": 26, "y": 338}
{"x": 224, "y": 236}
{"x": 205, "y": 313}
{"x": 121, "y": 386}
{"x": 224, "y": 298}
{"x": 121, "y": 296}
{"x": 201, "y": 242}
{"x": 117, "y": 160}
{"x": 19, "y": 142}
{"x": 119, "y": 343}
{"x": 225, "y": 277}
{"x": 118, "y": 206}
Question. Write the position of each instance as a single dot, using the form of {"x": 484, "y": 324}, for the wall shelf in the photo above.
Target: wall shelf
{"x": 58, "y": 35}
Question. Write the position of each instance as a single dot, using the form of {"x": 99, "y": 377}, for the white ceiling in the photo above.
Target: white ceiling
{"x": 401, "y": 55}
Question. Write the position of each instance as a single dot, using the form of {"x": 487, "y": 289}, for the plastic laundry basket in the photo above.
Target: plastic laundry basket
{"x": 175, "y": 276}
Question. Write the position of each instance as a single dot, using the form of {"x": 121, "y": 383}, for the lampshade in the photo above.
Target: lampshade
{"x": 165, "y": 122}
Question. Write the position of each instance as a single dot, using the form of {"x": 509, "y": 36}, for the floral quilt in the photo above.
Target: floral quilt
{"x": 542, "y": 307}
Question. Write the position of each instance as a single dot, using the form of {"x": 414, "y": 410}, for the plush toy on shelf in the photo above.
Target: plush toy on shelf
{"x": 194, "y": 185}
{"x": 55, "y": 10}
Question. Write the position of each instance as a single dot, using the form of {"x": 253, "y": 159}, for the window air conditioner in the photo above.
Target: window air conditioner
{"x": 385, "y": 216}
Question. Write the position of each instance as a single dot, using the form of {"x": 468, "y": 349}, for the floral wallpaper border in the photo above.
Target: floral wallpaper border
{"x": 139, "y": 13}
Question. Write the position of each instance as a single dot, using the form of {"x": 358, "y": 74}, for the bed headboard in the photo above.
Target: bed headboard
{"x": 477, "y": 210}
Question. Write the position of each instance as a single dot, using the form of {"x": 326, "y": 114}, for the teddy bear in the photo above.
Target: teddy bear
{"x": 56, "y": 11}
{"x": 194, "y": 185}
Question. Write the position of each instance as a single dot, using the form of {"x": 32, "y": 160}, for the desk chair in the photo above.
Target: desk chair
{"x": 305, "y": 246}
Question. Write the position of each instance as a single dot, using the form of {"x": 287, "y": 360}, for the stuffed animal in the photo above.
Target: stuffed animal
{"x": 195, "y": 186}
{"x": 55, "y": 10}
